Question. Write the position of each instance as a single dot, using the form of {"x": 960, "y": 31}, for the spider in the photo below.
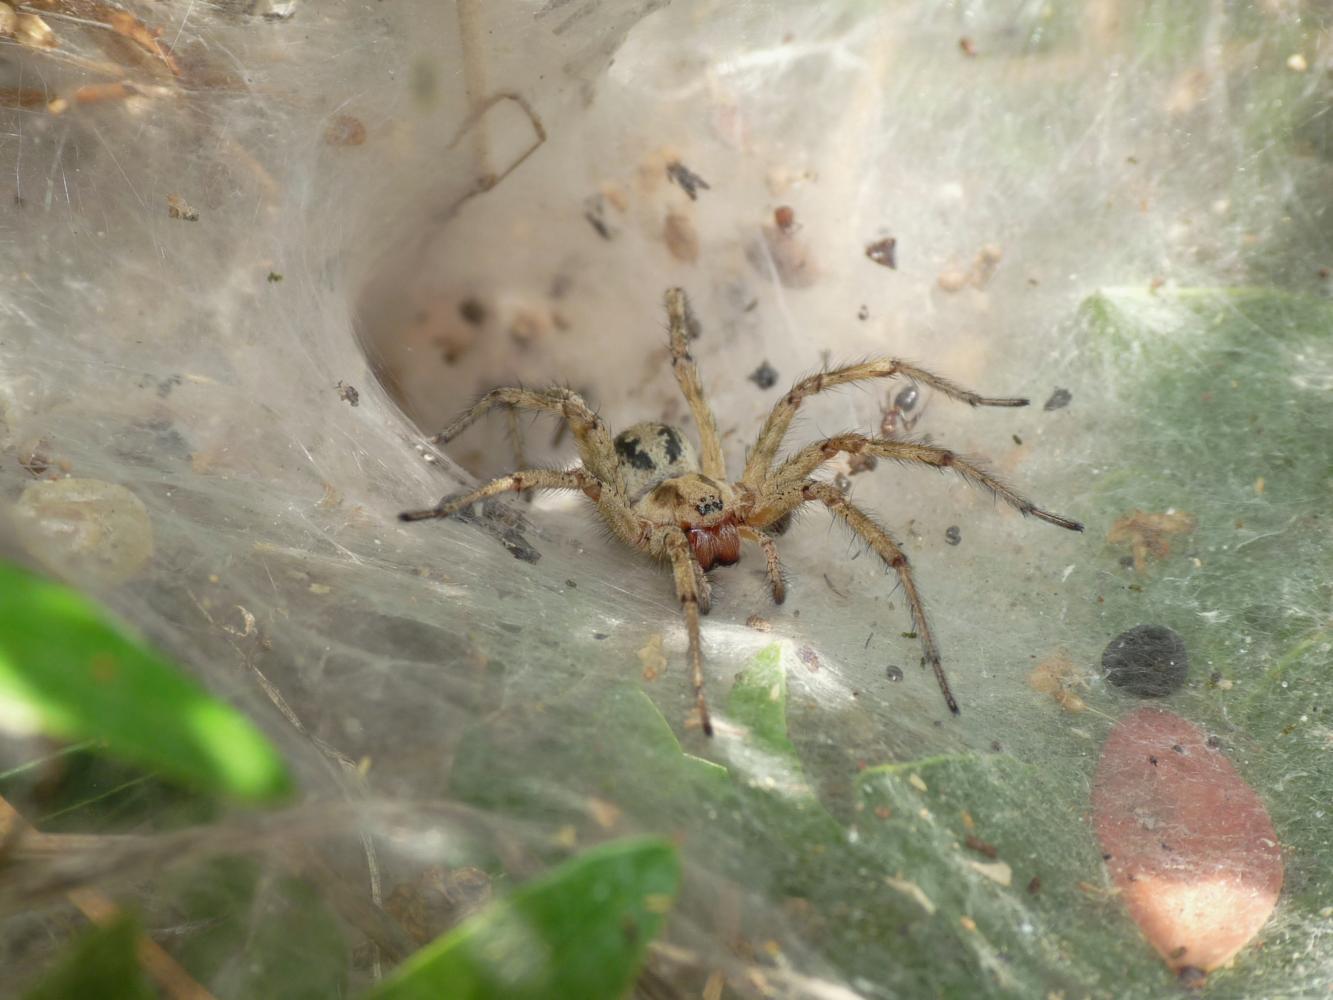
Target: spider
{"x": 659, "y": 497}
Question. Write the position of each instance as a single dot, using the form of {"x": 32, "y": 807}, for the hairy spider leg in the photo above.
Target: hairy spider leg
{"x": 777, "y": 583}
{"x": 683, "y": 562}
{"x": 795, "y": 470}
{"x": 593, "y": 439}
{"x": 770, "y": 438}
{"x": 704, "y": 588}
{"x": 687, "y": 375}
{"x": 615, "y": 511}
{"x": 886, "y": 547}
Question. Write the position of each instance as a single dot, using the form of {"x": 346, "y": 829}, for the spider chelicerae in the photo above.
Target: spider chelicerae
{"x": 661, "y": 498}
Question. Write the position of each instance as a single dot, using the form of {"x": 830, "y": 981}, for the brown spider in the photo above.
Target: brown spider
{"x": 657, "y": 497}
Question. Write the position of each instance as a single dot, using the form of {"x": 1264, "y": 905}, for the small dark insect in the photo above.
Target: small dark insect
{"x": 689, "y": 181}
{"x": 657, "y": 497}
{"x": 895, "y": 414}
{"x": 1034, "y": 885}
{"x": 893, "y": 673}
{"x": 1058, "y": 401}
{"x": 863, "y": 313}
{"x": 953, "y": 535}
{"x": 884, "y": 252}
{"x": 765, "y": 376}
{"x": 347, "y": 393}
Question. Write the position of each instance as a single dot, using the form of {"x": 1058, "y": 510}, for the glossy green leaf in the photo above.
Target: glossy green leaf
{"x": 102, "y": 963}
{"x": 580, "y": 931}
{"x": 67, "y": 671}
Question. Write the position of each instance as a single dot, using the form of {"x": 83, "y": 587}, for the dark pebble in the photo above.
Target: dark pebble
{"x": 894, "y": 673}
{"x": 884, "y": 252}
{"x": 765, "y": 376}
{"x": 1192, "y": 977}
{"x": 952, "y": 535}
{"x": 473, "y": 311}
{"x": 1147, "y": 660}
{"x": 1059, "y": 400}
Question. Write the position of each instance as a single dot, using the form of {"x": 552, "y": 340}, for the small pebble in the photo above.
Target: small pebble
{"x": 884, "y": 252}
{"x": 765, "y": 376}
{"x": 1192, "y": 977}
{"x": 1059, "y": 400}
{"x": 894, "y": 673}
{"x": 473, "y": 310}
{"x": 863, "y": 313}
{"x": 1147, "y": 660}
{"x": 952, "y": 535}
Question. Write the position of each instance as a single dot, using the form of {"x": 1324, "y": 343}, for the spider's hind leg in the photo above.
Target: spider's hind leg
{"x": 594, "y": 440}
{"x": 515, "y": 482}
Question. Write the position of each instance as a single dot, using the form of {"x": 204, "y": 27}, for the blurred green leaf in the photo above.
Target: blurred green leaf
{"x": 759, "y": 701}
{"x": 580, "y": 931}
{"x": 102, "y": 963}
{"x": 67, "y": 671}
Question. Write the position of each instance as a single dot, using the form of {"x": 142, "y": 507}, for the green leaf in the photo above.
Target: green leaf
{"x": 759, "y": 701}
{"x": 65, "y": 670}
{"x": 580, "y": 931}
{"x": 101, "y": 963}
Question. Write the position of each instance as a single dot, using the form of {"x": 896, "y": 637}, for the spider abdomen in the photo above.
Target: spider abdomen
{"x": 650, "y": 453}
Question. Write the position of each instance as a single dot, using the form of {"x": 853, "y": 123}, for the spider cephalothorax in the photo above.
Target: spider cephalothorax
{"x": 659, "y": 497}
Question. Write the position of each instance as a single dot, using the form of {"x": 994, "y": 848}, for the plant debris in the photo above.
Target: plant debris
{"x": 1149, "y": 534}
{"x": 1058, "y": 401}
{"x": 689, "y": 181}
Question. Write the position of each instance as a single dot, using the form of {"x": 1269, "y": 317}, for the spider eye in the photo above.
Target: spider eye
{"x": 710, "y": 506}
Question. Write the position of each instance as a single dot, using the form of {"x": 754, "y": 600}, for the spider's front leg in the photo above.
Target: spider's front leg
{"x": 760, "y": 460}
{"x": 886, "y": 547}
{"x": 683, "y": 565}
{"x": 777, "y": 583}
{"x": 774, "y": 504}
{"x": 792, "y": 473}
